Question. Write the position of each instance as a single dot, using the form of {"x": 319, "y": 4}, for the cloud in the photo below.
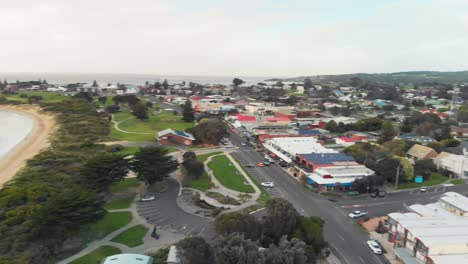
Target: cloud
{"x": 256, "y": 38}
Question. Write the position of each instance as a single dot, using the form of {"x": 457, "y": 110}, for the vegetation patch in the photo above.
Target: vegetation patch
{"x": 106, "y": 225}
{"x": 203, "y": 184}
{"x": 434, "y": 179}
{"x": 330, "y": 194}
{"x": 457, "y": 181}
{"x": 228, "y": 175}
{"x": 132, "y": 237}
{"x": 205, "y": 157}
{"x": 222, "y": 198}
{"x": 119, "y": 204}
{"x": 124, "y": 184}
{"x": 97, "y": 255}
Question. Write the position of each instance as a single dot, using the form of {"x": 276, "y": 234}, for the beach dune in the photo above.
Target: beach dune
{"x": 36, "y": 140}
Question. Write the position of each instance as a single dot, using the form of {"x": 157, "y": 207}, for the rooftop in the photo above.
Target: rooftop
{"x": 295, "y": 145}
{"x": 128, "y": 259}
{"x": 326, "y": 158}
{"x": 345, "y": 171}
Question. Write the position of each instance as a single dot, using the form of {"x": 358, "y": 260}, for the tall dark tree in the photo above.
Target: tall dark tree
{"x": 188, "y": 115}
{"x": 237, "y": 82}
{"x": 287, "y": 251}
{"x": 282, "y": 219}
{"x": 308, "y": 84}
{"x": 387, "y": 132}
{"x": 194, "y": 250}
{"x": 234, "y": 222}
{"x": 210, "y": 132}
{"x": 157, "y": 85}
{"x": 140, "y": 111}
{"x": 152, "y": 164}
{"x": 101, "y": 171}
{"x": 234, "y": 249}
{"x": 165, "y": 84}
{"x": 193, "y": 167}
{"x": 95, "y": 84}
{"x": 102, "y": 99}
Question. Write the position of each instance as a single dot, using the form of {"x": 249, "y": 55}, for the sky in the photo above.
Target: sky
{"x": 275, "y": 38}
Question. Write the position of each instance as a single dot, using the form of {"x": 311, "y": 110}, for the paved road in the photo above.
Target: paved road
{"x": 166, "y": 214}
{"x": 343, "y": 234}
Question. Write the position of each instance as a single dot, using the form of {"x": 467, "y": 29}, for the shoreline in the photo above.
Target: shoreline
{"x": 36, "y": 140}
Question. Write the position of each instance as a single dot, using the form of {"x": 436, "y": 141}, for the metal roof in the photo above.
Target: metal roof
{"x": 326, "y": 158}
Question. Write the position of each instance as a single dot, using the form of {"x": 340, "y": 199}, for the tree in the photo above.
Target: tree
{"x": 102, "y": 99}
{"x": 210, "y": 132}
{"x": 308, "y": 84}
{"x": 234, "y": 249}
{"x": 193, "y": 168}
{"x": 331, "y": 126}
{"x": 387, "y": 132}
{"x": 279, "y": 84}
{"x": 335, "y": 110}
{"x": 406, "y": 127}
{"x": 235, "y": 222}
{"x": 112, "y": 109}
{"x": 194, "y": 250}
{"x": 293, "y": 87}
{"x": 165, "y": 84}
{"x": 100, "y": 172}
{"x": 157, "y": 85}
{"x": 95, "y": 84}
{"x": 188, "y": 115}
{"x": 346, "y": 111}
{"x": 237, "y": 82}
{"x": 288, "y": 251}
{"x": 140, "y": 111}
{"x": 310, "y": 230}
{"x": 424, "y": 168}
{"x": 149, "y": 104}
{"x": 152, "y": 164}
{"x": 282, "y": 219}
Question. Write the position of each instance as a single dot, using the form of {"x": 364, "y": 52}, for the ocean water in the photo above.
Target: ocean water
{"x": 14, "y": 127}
{"x": 134, "y": 79}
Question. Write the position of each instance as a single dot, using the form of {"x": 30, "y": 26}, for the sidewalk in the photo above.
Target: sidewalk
{"x": 390, "y": 255}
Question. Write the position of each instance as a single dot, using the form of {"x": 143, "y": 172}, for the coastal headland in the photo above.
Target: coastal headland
{"x": 33, "y": 143}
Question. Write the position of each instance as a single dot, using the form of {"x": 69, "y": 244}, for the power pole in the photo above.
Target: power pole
{"x": 397, "y": 175}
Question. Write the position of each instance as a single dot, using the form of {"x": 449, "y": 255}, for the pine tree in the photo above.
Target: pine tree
{"x": 187, "y": 112}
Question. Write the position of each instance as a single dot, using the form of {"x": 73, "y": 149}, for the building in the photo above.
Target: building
{"x": 345, "y": 141}
{"x": 455, "y": 164}
{"x": 327, "y": 178}
{"x": 420, "y": 152}
{"x": 128, "y": 259}
{"x": 312, "y": 161}
{"x": 412, "y": 137}
{"x": 435, "y": 233}
{"x": 287, "y": 148}
{"x": 170, "y": 136}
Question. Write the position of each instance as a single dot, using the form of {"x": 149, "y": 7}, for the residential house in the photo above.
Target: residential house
{"x": 420, "y": 152}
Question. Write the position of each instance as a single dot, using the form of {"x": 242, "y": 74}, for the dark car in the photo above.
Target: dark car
{"x": 374, "y": 195}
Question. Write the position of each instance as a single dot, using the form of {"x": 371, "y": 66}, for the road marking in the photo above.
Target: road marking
{"x": 362, "y": 259}
{"x": 342, "y": 238}
{"x": 378, "y": 259}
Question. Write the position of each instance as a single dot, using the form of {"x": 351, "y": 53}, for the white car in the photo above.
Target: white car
{"x": 267, "y": 184}
{"x": 374, "y": 246}
{"x": 243, "y": 144}
{"x": 357, "y": 214}
{"x": 423, "y": 189}
{"x": 147, "y": 198}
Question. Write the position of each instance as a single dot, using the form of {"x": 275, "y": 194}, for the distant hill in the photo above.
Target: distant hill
{"x": 395, "y": 77}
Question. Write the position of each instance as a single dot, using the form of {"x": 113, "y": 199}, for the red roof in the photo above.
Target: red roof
{"x": 277, "y": 119}
{"x": 244, "y": 118}
{"x": 347, "y": 139}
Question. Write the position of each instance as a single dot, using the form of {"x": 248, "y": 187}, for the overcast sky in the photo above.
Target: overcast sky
{"x": 238, "y": 37}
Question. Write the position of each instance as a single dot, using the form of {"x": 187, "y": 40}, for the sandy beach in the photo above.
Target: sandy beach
{"x": 36, "y": 140}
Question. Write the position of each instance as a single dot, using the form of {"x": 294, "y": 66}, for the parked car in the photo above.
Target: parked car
{"x": 261, "y": 164}
{"x": 423, "y": 189}
{"x": 249, "y": 165}
{"x": 374, "y": 246}
{"x": 357, "y": 214}
{"x": 382, "y": 194}
{"x": 267, "y": 163}
{"x": 267, "y": 184}
{"x": 243, "y": 144}
{"x": 147, "y": 198}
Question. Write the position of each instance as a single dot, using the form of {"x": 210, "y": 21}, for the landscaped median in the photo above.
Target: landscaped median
{"x": 228, "y": 175}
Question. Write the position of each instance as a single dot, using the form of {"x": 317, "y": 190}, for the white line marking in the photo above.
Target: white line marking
{"x": 342, "y": 238}
{"x": 362, "y": 259}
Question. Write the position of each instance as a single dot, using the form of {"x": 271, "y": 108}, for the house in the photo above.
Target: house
{"x": 420, "y": 152}
{"x": 313, "y": 161}
{"x": 412, "y": 137}
{"x": 457, "y": 165}
{"x": 327, "y": 178}
{"x": 127, "y": 259}
{"x": 170, "y": 136}
{"x": 345, "y": 141}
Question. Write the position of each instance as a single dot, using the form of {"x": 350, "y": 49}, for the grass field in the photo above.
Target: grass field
{"x": 119, "y": 204}
{"x": 132, "y": 237}
{"x": 124, "y": 184}
{"x": 204, "y": 183}
{"x": 457, "y": 181}
{"x": 97, "y": 255}
{"x": 228, "y": 175}
{"x": 148, "y": 127}
{"x": 46, "y": 96}
{"x": 204, "y": 157}
{"x": 106, "y": 225}
{"x": 434, "y": 179}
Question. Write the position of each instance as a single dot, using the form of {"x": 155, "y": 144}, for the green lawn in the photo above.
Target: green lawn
{"x": 46, "y": 96}
{"x": 96, "y": 256}
{"x": 150, "y": 126}
{"x": 264, "y": 195}
{"x": 434, "y": 179}
{"x": 106, "y": 225}
{"x": 457, "y": 181}
{"x": 124, "y": 184}
{"x": 203, "y": 184}
{"x": 119, "y": 204}
{"x": 132, "y": 237}
{"x": 228, "y": 175}
{"x": 204, "y": 157}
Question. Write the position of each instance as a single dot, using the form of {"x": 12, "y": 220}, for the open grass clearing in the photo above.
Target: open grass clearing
{"x": 106, "y": 225}
{"x": 434, "y": 179}
{"x": 202, "y": 184}
{"x": 131, "y": 237}
{"x": 228, "y": 175}
{"x": 119, "y": 204}
{"x": 124, "y": 184}
{"x": 96, "y": 256}
{"x": 457, "y": 181}
{"x": 205, "y": 157}
{"x": 49, "y": 97}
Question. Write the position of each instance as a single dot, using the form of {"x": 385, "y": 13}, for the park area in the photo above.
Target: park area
{"x": 97, "y": 255}
{"x": 133, "y": 129}
{"x": 434, "y": 179}
{"x": 228, "y": 175}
